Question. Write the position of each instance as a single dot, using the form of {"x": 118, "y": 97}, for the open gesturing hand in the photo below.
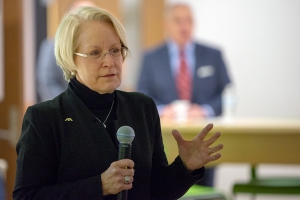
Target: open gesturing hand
{"x": 197, "y": 152}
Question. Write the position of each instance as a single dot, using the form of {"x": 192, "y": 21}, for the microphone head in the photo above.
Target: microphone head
{"x": 125, "y": 134}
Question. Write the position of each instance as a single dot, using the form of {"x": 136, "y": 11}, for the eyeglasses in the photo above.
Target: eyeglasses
{"x": 115, "y": 53}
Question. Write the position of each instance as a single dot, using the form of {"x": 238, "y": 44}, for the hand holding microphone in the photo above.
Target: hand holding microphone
{"x": 125, "y": 136}
{"x": 118, "y": 177}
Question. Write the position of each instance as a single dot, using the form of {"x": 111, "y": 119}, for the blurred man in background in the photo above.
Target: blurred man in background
{"x": 182, "y": 69}
{"x": 186, "y": 79}
{"x": 49, "y": 76}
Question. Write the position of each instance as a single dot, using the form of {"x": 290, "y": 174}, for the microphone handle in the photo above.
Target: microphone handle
{"x": 122, "y": 195}
{"x": 124, "y": 152}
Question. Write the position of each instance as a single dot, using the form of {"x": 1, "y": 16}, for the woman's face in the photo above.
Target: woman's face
{"x": 101, "y": 73}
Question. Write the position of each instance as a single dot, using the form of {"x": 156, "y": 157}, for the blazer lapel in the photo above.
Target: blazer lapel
{"x": 89, "y": 125}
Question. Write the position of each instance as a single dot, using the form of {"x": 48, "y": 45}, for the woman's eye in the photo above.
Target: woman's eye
{"x": 115, "y": 51}
{"x": 94, "y": 53}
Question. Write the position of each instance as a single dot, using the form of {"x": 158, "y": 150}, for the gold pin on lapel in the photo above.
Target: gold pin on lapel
{"x": 68, "y": 119}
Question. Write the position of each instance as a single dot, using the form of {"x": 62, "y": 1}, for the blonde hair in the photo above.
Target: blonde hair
{"x": 68, "y": 32}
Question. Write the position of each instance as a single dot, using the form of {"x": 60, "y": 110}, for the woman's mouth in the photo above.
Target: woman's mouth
{"x": 108, "y": 75}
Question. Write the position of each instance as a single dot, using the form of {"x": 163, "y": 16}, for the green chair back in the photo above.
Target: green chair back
{"x": 198, "y": 192}
{"x": 272, "y": 185}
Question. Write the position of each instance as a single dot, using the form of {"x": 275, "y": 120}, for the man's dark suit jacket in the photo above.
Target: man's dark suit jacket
{"x": 63, "y": 150}
{"x": 209, "y": 78}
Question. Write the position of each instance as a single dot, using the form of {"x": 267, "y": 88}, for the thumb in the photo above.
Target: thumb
{"x": 177, "y": 137}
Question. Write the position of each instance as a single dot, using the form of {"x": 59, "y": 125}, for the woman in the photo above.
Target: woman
{"x": 68, "y": 147}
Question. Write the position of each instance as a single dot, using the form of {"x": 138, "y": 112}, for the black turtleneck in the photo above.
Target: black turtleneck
{"x": 99, "y": 104}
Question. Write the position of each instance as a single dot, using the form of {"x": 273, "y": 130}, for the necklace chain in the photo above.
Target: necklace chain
{"x": 107, "y": 115}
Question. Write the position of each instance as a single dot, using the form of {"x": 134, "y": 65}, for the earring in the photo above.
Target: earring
{"x": 73, "y": 73}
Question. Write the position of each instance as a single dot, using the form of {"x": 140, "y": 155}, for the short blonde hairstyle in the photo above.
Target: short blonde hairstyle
{"x": 66, "y": 38}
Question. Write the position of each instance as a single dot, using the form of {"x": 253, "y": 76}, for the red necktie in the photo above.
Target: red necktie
{"x": 183, "y": 79}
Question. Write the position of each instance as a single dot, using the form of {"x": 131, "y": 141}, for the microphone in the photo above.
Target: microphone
{"x": 125, "y": 136}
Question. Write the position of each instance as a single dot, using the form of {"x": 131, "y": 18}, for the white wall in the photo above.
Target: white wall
{"x": 261, "y": 44}
{"x": 260, "y": 40}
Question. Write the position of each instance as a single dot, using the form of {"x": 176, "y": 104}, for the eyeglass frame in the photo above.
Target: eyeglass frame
{"x": 86, "y": 55}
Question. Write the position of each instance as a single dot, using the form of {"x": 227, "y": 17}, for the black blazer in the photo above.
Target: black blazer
{"x": 63, "y": 150}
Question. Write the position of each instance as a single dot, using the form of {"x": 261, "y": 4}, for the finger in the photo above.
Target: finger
{"x": 126, "y": 186}
{"x": 215, "y": 149}
{"x": 125, "y": 179}
{"x": 125, "y": 183}
{"x": 214, "y": 157}
{"x": 127, "y": 172}
{"x": 128, "y": 179}
{"x": 205, "y": 131}
{"x": 178, "y": 137}
{"x": 213, "y": 138}
{"x": 125, "y": 163}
